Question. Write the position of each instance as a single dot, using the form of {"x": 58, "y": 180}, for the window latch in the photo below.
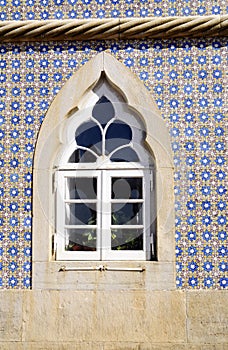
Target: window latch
{"x": 54, "y": 182}
{"x": 151, "y": 181}
{"x": 54, "y": 244}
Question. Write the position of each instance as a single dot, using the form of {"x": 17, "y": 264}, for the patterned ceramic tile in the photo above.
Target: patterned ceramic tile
{"x": 65, "y": 9}
{"x": 187, "y": 80}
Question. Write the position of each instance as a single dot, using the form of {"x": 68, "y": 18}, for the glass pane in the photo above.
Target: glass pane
{"x": 81, "y": 240}
{"x": 118, "y": 134}
{"x": 82, "y": 156}
{"x": 80, "y": 214}
{"x": 127, "y": 187}
{"x": 103, "y": 111}
{"x": 89, "y": 135}
{"x": 127, "y": 239}
{"x": 127, "y": 214}
{"x": 125, "y": 155}
{"x": 82, "y": 187}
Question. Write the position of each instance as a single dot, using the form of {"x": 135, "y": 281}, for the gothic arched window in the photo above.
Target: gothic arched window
{"x": 105, "y": 191}
{"x": 103, "y": 183}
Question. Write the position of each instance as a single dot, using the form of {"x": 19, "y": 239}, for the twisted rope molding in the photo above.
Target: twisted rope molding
{"x": 121, "y": 28}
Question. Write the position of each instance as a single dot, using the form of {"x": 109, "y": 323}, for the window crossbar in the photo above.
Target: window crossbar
{"x": 82, "y": 200}
{"x": 124, "y": 201}
{"x": 79, "y": 226}
{"x": 127, "y": 226}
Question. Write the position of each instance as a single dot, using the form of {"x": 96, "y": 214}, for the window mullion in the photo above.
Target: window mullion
{"x": 99, "y": 213}
{"x": 60, "y": 219}
{"x": 147, "y": 188}
{"x": 106, "y": 214}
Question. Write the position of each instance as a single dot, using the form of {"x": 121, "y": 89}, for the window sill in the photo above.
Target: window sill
{"x": 101, "y": 267}
{"x": 104, "y": 275}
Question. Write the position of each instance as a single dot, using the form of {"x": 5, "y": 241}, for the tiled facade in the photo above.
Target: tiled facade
{"x": 187, "y": 78}
{"x": 66, "y": 9}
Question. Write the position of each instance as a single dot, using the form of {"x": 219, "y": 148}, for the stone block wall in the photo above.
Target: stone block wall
{"x": 113, "y": 320}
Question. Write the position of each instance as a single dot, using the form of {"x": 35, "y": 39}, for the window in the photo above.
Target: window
{"x": 124, "y": 157}
{"x": 105, "y": 192}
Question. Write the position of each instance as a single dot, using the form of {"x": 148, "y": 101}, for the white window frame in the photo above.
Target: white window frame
{"x": 61, "y": 201}
{"x": 108, "y": 253}
{"x": 103, "y": 225}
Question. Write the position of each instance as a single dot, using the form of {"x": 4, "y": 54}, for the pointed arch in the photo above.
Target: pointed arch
{"x": 73, "y": 97}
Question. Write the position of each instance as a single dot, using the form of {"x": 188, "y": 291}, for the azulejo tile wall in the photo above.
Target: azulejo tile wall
{"x": 67, "y": 9}
{"x": 187, "y": 80}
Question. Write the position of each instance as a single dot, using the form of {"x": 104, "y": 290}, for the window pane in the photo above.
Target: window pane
{"x": 127, "y": 214}
{"x": 127, "y": 187}
{"x": 81, "y": 240}
{"x": 89, "y": 135}
{"x": 125, "y": 155}
{"x": 118, "y": 134}
{"x": 127, "y": 239}
{"x": 103, "y": 111}
{"x": 81, "y": 214}
{"x": 82, "y": 187}
{"x": 82, "y": 156}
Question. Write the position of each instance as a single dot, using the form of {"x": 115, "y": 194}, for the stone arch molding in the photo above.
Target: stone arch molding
{"x": 49, "y": 148}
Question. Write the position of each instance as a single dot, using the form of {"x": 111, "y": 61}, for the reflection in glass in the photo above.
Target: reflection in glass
{"x": 82, "y": 187}
{"x": 126, "y": 154}
{"x": 81, "y": 214}
{"x": 127, "y": 214}
{"x": 127, "y": 239}
{"x": 103, "y": 111}
{"x": 118, "y": 134}
{"x": 82, "y": 156}
{"x": 126, "y": 188}
{"x": 81, "y": 240}
{"x": 89, "y": 135}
